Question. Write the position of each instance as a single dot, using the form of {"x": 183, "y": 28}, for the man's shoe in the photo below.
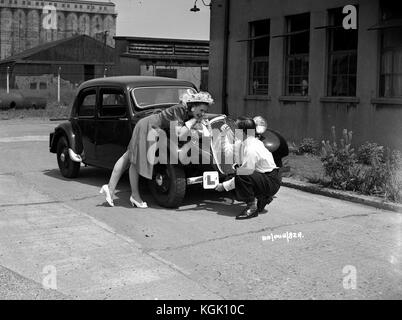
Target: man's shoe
{"x": 263, "y": 201}
{"x": 249, "y": 212}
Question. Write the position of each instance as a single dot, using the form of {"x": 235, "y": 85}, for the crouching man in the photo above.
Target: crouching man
{"x": 257, "y": 177}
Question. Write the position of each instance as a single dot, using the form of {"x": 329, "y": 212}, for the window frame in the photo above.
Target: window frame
{"x": 332, "y": 53}
{"x": 382, "y": 98}
{"x": 80, "y": 100}
{"x": 166, "y": 69}
{"x": 251, "y": 60}
{"x": 287, "y": 55}
{"x": 100, "y": 102}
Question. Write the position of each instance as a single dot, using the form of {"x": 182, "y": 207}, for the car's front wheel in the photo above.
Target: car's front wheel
{"x": 68, "y": 167}
{"x": 168, "y": 185}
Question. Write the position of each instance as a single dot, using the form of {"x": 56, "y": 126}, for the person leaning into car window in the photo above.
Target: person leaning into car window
{"x": 187, "y": 114}
{"x": 257, "y": 177}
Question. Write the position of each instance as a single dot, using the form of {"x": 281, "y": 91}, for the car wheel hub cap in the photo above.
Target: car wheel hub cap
{"x": 63, "y": 157}
{"x": 159, "y": 180}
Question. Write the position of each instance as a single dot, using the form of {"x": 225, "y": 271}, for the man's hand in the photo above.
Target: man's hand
{"x": 220, "y": 187}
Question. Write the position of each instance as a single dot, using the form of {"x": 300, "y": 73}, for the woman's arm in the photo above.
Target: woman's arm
{"x": 183, "y": 131}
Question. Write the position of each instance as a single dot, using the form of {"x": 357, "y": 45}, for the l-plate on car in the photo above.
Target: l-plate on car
{"x": 102, "y": 119}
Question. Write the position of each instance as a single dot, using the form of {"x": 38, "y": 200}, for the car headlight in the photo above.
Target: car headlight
{"x": 260, "y": 124}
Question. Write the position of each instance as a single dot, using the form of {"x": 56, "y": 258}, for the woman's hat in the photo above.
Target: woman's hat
{"x": 198, "y": 97}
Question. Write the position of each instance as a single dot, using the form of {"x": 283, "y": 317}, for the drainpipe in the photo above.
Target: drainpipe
{"x": 225, "y": 109}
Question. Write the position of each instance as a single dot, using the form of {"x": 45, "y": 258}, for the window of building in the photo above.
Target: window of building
{"x": 167, "y": 73}
{"x": 391, "y": 50}
{"x": 259, "y": 57}
{"x": 33, "y": 86}
{"x": 42, "y": 85}
{"x": 342, "y": 57}
{"x": 204, "y": 80}
{"x": 297, "y": 54}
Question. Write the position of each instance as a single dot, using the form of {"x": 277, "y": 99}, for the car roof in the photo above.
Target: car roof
{"x": 135, "y": 81}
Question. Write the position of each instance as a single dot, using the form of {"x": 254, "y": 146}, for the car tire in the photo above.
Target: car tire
{"x": 168, "y": 185}
{"x": 68, "y": 168}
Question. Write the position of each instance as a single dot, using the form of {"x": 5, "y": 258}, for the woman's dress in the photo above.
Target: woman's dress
{"x": 139, "y": 144}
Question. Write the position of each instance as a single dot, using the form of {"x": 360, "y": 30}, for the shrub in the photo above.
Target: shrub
{"x": 373, "y": 171}
{"x": 368, "y": 153}
{"x": 308, "y": 145}
{"x": 339, "y": 161}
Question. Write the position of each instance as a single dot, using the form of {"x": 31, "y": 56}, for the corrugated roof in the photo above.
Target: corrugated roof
{"x": 30, "y": 52}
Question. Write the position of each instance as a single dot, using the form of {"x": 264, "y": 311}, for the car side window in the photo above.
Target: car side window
{"x": 87, "y": 103}
{"x": 113, "y": 103}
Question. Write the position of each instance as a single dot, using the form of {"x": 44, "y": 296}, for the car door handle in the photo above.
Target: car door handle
{"x": 123, "y": 119}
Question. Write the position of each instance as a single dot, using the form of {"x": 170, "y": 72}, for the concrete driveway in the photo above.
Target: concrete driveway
{"x": 59, "y": 234}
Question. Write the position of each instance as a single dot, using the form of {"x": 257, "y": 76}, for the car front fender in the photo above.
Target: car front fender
{"x": 275, "y": 143}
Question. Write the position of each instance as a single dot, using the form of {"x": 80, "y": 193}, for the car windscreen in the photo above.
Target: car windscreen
{"x": 150, "y": 97}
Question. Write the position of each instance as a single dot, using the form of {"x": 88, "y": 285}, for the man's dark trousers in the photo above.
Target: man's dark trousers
{"x": 257, "y": 184}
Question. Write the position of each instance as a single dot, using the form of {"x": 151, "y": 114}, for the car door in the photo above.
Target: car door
{"x": 113, "y": 126}
{"x": 86, "y": 112}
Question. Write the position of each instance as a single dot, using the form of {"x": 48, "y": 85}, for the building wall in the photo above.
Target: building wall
{"x": 21, "y": 23}
{"x": 298, "y": 118}
{"x": 144, "y": 56}
{"x": 189, "y": 73}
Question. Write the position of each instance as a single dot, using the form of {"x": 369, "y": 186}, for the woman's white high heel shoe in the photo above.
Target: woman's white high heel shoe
{"x": 105, "y": 190}
{"x": 137, "y": 204}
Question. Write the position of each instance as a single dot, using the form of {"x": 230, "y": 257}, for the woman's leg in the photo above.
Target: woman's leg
{"x": 134, "y": 179}
{"x": 118, "y": 170}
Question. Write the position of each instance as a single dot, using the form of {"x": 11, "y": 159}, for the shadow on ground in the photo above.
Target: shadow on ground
{"x": 204, "y": 200}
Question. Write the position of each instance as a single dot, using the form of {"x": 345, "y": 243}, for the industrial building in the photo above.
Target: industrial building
{"x": 25, "y": 24}
{"x": 295, "y": 63}
{"x": 174, "y": 58}
{"x": 75, "y": 59}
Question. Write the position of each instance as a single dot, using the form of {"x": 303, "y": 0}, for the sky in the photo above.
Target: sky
{"x": 162, "y": 19}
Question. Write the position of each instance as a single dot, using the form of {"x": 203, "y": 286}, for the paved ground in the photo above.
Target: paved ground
{"x": 51, "y": 226}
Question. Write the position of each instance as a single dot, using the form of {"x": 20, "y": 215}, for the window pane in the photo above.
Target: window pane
{"x": 392, "y": 37}
{"x": 391, "y": 63}
{"x": 397, "y": 85}
{"x": 113, "y": 104}
{"x": 167, "y": 73}
{"x": 341, "y": 39}
{"x": 261, "y": 47}
{"x": 87, "y": 106}
{"x": 391, "y": 9}
{"x": 297, "y": 59}
{"x": 151, "y": 97}
{"x": 259, "y": 57}
{"x": 299, "y": 43}
{"x": 342, "y": 62}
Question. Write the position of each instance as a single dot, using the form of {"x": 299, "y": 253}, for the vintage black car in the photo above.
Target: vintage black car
{"x": 103, "y": 116}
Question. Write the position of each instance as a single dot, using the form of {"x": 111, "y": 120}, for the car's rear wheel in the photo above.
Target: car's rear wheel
{"x": 68, "y": 168}
{"x": 168, "y": 185}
